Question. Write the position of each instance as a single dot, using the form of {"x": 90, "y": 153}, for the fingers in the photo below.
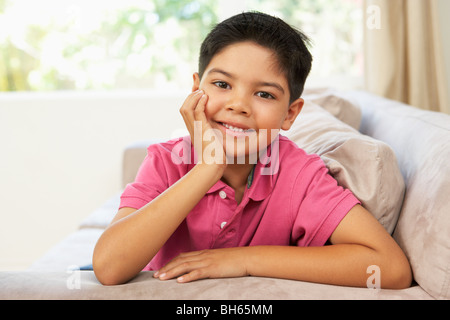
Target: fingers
{"x": 187, "y": 109}
{"x": 193, "y": 113}
{"x": 213, "y": 263}
{"x": 201, "y": 131}
{"x": 192, "y": 108}
{"x": 199, "y": 111}
{"x": 187, "y": 267}
{"x": 186, "y": 272}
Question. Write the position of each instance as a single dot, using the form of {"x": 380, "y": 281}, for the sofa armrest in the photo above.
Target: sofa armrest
{"x": 73, "y": 285}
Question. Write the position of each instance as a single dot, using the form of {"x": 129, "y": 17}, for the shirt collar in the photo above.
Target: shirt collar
{"x": 261, "y": 179}
{"x": 264, "y": 177}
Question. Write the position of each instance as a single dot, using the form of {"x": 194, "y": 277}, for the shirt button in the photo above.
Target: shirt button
{"x": 222, "y": 194}
{"x": 223, "y": 224}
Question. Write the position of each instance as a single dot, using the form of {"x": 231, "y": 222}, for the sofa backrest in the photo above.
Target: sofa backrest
{"x": 421, "y": 141}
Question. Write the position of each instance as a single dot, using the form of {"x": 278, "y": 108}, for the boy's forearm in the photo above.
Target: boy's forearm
{"x": 130, "y": 243}
{"x": 342, "y": 264}
{"x": 165, "y": 213}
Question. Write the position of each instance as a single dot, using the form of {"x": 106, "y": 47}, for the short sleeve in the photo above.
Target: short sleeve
{"x": 151, "y": 180}
{"x": 319, "y": 203}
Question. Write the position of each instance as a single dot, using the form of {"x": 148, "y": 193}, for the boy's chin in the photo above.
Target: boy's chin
{"x": 240, "y": 150}
{"x": 243, "y": 152}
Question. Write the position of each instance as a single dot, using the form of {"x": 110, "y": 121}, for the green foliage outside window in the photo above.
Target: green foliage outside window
{"x": 149, "y": 44}
{"x": 136, "y": 46}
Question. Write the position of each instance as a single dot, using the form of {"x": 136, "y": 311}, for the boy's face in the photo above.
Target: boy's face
{"x": 247, "y": 91}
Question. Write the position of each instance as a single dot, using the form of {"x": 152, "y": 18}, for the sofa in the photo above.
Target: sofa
{"x": 394, "y": 157}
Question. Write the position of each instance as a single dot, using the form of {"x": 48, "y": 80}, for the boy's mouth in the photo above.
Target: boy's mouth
{"x": 236, "y": 129}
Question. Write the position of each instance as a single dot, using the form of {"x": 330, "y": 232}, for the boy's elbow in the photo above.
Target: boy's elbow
{"x": 403, "y": 278}
{"x": 106, "y": 280}
{"x": 107, "y": 276}
{"x": 105, "y": 273}
{"x": 399, "y": 274}
{"x": 101, "y": 273}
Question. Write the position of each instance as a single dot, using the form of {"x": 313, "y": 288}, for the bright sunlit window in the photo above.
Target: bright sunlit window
{"x": 153, "y": 44}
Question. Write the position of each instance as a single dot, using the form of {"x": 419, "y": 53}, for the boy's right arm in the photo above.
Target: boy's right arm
{"x": 135, "y": 236}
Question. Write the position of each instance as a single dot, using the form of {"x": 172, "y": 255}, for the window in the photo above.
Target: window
{"x": 152, "y": 44}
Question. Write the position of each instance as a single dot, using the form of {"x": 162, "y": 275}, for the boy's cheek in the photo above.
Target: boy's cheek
{"x": 213, "y": 105}
{"x": 210, "y": 107}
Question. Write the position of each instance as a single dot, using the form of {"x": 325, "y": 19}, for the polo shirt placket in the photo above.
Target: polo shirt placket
{"x": 227, "y": 218}
{"x": 228, "y": 236}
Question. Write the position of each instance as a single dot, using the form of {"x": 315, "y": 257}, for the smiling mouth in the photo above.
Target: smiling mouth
{"x": 236, "y": 129}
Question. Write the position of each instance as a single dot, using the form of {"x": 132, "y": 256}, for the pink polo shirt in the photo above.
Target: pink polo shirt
{"x": 298, "y": 204}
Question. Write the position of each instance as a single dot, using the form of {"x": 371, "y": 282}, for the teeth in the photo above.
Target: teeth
{"x": 235, "y": 129}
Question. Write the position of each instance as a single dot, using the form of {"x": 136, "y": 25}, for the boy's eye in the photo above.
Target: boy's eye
{"x": 265, "y": 95}
{"x": 221, "y": 84}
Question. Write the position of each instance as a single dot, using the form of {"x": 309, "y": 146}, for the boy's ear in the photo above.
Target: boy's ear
{"x": 196, "y": 84}
{"x": 293, "y": 112}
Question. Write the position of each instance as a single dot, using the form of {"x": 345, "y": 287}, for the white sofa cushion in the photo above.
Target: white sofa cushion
{"x": 421, "y": 140}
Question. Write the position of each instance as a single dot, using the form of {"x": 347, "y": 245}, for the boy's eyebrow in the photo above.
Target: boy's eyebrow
{"x": 271, "y": 84}
{"x": 216, "y": 70}
{"x": 261, "y": 83}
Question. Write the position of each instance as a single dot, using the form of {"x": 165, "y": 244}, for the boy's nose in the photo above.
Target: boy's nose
{"x": 239, "y": 104}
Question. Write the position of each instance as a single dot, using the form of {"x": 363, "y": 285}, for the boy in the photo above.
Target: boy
{"x": 225, "y": 216}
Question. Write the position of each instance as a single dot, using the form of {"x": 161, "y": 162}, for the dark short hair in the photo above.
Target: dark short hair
{"x": 288, "y": 44}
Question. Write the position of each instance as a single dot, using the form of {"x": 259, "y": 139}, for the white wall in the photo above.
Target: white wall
{"x": 60, "y": 159}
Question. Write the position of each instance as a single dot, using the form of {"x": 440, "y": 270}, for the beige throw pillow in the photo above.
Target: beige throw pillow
{"x": 366, "y": 166}
{"x": 338, "y": 103}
